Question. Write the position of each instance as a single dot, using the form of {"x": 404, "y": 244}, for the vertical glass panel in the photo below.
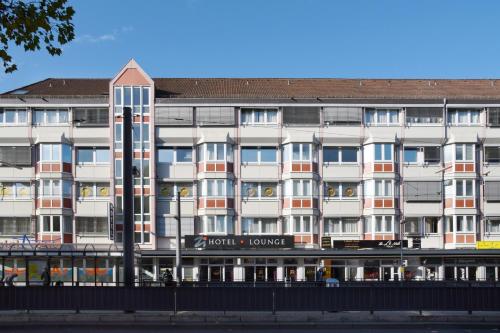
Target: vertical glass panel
{"x": 459, "y": 153}
{"x": 145, "y": 96}
{"x": 118, "y": 168}
{"x": 184, "y": 154}
{"x": 221, "y": 223}
{"x": 51, "y": 117}
{"x": 296, "y": 152}
{"x": 249, "y": 154}
{"x": 378, "y": 223}
{"x": 330, "y": 154}
{"x": 210, "y": 152}
{"x": 10, "y": 117}
{"x": 268, "y": 154}
{"x": 349, "y": 154}
{"x": 388, "y": 188}
{"x": 410, "y": 155}
{"x": 468, "y": 188}
{"x": 220, "y": 152}
{"x": 46, "y": 224}
{"x": 296, "y": 224}
{"x": 56, "y": 152}
{"x": 145, "y": 132}
{"x": 128, "y": 96}
{"x": 378, "y": 152}
{"x": 259, "y": 116}
{"x": 388, "y": 152}
{"x": 66, "y": 153}
{"x": 381, "y": 116}
{"x": 46, "y": 152}
{"x": 246, "y": 116}
{"x": 56, "y": 187}
{"x": 272, "y": 116}
{"x": 85, "y": 155}
{"x": 21, "y": 117}
{"x": 306, "y": 152}
{"x": 63, "y": 117}
{"x": 307, "y": 223}
{"x": 166, "y": 155}
{"x": 118, "y": 96}
{"x": 102, "y": 155}
{"x": 137, "y": 96}
{"x": 469, "y": 152}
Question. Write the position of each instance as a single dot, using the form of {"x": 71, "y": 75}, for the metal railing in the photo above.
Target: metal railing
{"x": 242, "y": 298}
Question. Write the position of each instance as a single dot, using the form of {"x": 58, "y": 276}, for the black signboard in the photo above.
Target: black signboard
{"x": 368, "y": 244}
{"x": 237, "y": 242}
{"x": 326, "y": 242}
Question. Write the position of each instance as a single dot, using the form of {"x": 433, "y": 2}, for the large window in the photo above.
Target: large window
{"x": 50, "y": 116}
{"x": 50, "y": 223}
{"x": 92, "y": 155}
{"x": 255, "y": 191}
{"x": 216, "y": 188}
{"x": 464, "y": 152}
{"x": 494, "y": 117}
{"x": 381, "y": 117}
{"x": 463, "y": 116}
{"x": 52, "y": 153}
{"x": 216, "y": 224}
{"x": 15, "y": 226}
{"x": 412, "y": 226}
{"x": 89, "y": 191}
{"x": 91, "y": 117}
{"x": 173, "y": 155}
{"x": 341, "y": 191}
{"x": 301, "y": 188}
{"x": 424, "y": 115}
{"x": 431, "y": 224}
{"x": 421, "y": 225}
{"x": 15, "y": 191}
{"x": 15, "y": 156}
{"x": 257, "y": 226}
{"x": 422, "y": 155}
{"x": 258, "y": 154}
{"x": 340, "y": 155}
{"x": 384, "y": 224}
{"x": 493, "y": 225}
{"x": 299, "y": 152}
{"x": 298, "y": 224}
{"x": 54, "y": 188}
{"x": 170, "y": 190}
{"x": 136, "y": 98}
{"x": 492, "y": 154}
{"x": 383, "y": 187}
{"x": 259, "y": 116}
{"x": 464, "y": 187}
{"x": 215, "y": 152}
{"x": 465, "y": 223}
{"x": 95, "y": 226}
{"x": 10, "y": 116}
{"x": 383, "y": 152}
{"x": 341, "y": 225}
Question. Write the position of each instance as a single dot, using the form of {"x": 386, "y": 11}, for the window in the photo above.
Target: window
{"x": 93, "y": 190}
{"x": 259, "y": 190}
{"x": 493, "y": 225}
{"x": 342, "y": 115}
{"x": 464, "y": 152}
{"x": 15, "y": 226}
{"x": 463, "y": 116}
{"x": 15, "y": 191}
{"x": 174, "y": 116}
{"x": 465, "y": 223}
{"x": 52, "y": 153}
{"x": 259, "y": 116}
{"x": 340, "y": 154}
{"x": 215, "y": 152}
{"x": 341, "y": 190}
{"x": 256, "y": 226}
{"x": 384, "y": 223}
{"x": 54, "y": 188}
{"x": 464, "y": 188}
{"x": 91, "y": 225}
{"x": 432, "y": 154}
{"x": 492, "y": 154}
{"x": 216, "y": 224}
{"x": 381, "y": 116}
{"x": 341, "y": 225}
{"x": 301, "y": 115}
{"x": 50, "y": 116}
{"x": 410, "y": 154}
{"x": 258, "y": 154}
{"x": 383, "y": 187}
{"x": 135, "y": 97}
{"x": 424, "y": 115}
{"x": 15, "y": 155}
{"x": 492, "y": 191}
{"x": 422, "y": 191}
{"x": 10, "y": 116}
{"x": 93, "y": 155}
{"x": 299, "y": 152}
{"x": 91, "y": 117}
{"x": 301, "y": 188}
{"x": 299, "y": 224}
{"x": 383, "y": 152}
{"x": 215, "y": 116}
{"x": 494, "y": 117}
{"x": 170, "y": 190}
{"x": 431, "y": 225}
{"x": 216, "y": 188}
{"x": 412, "y": 226}
{"x": 50, "y": 223}
{"x": 171, "y": 155}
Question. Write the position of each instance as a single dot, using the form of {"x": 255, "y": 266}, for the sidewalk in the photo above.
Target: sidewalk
{"x": 295, "y": 319}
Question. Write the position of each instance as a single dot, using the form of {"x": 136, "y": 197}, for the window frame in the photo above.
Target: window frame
{"x": 14, "y": 188}
{"x": 51, "y": 224}
{"x": 259, "y": 195}
{"x": 383, "y": 151}
{"x": 45, "y": 112}
{"x": 174, "y": 154}
{"x": 259, "y": 150}
{"x": 377, "y": 111}
{"x": 228, "y": 188}
{"x": 94, "y": 155}
{"x": 342, "y": 221}
{"x": 452, "y": 117}
{"x": 464, "y": 152}
{"x": 94, "y": 196}
{"x": 204, "y": 227}
{"x": 384, "y": 224}
{"x": 339, "y": 187}
{"x": 202, "y": 152}
{"x": 253, "y": 112}
{"x": 17, "y": 111}
{"x": 340, "y": 155}
{"x": 462, "y": 183}
{"x": 94, "y": 219}
{"x": 260, "y": 224}
{"x": 176, "y": 187}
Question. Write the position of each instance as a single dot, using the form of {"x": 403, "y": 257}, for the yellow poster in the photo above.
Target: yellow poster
{"x": 488, "y": 245}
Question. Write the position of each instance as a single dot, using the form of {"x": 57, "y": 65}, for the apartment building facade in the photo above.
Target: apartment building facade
{"x": 279, "y": 177}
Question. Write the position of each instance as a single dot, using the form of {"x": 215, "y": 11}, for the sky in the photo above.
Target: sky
{"x": 274, "y": 38}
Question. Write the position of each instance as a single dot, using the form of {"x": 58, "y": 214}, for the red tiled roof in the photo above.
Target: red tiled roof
{"x": 279, "y": 88}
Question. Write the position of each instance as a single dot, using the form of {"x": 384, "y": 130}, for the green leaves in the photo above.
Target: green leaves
{"x": 33, "y": 25}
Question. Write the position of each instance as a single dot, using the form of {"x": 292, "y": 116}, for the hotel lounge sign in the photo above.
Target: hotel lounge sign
{"x": 237, "y": 242}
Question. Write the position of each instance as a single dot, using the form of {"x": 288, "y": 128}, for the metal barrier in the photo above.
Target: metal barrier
{"x": 355, "y": 298}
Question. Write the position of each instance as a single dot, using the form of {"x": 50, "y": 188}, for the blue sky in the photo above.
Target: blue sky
{"x": 275, "y": 38}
